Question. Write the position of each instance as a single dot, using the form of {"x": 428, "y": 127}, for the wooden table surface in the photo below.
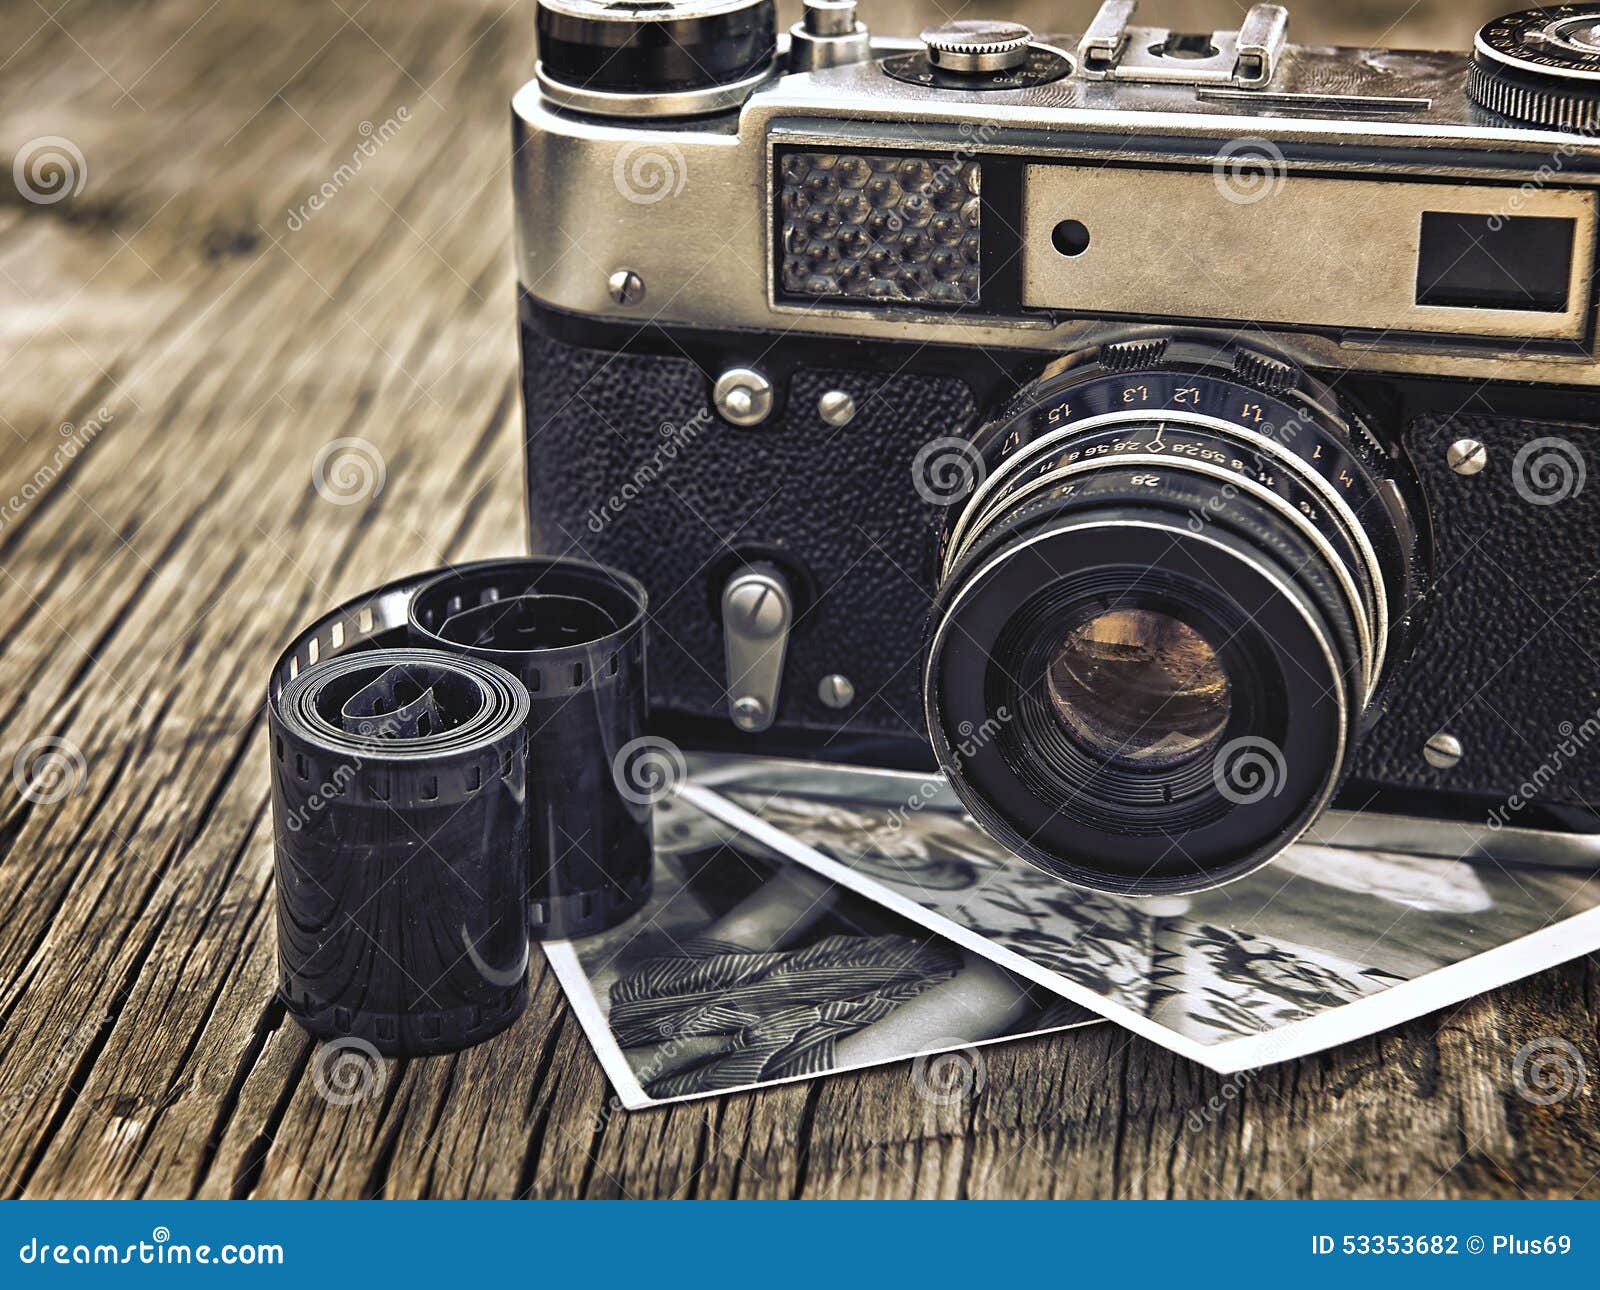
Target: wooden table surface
{"x": 181, "y": 339}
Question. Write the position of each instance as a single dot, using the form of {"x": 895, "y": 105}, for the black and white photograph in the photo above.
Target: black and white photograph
{"x": 747, "y": 969}
{"x": 1328, "y": 944}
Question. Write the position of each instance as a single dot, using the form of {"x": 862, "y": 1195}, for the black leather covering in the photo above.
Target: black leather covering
{"x": 1507, "y": 659}
{"x": 836, "y": 504}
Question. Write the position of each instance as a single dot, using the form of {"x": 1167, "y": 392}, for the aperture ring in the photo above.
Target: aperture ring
{"x": 1286, "y": 550}
{"x": 1368, "y": 604}
{"x": 993, "y": 493}
{"x": 1061, "y": 405}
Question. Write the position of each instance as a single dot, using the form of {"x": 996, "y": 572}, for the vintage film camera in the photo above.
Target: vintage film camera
{"x": 1183, "y": 434}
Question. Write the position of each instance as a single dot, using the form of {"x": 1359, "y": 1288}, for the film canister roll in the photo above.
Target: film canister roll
{"x": 574, "y": 634}
{"x": 399, "y": 807}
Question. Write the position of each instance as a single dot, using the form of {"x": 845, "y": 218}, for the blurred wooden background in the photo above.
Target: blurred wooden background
{"x": 178, "y": 346}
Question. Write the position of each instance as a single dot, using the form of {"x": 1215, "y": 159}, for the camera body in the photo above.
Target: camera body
{"x": 818, "y": 332}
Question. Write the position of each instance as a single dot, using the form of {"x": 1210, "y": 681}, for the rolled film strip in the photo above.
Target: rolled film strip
{"x": 574, "y": 634}
{"x": 575, "y": 638}
{"x": 399, "y": 788}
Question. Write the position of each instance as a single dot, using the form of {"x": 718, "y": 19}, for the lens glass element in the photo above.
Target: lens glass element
{"x": 1141, "y": 688}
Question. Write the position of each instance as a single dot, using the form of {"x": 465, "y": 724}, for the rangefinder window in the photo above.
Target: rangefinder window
{"x": 1495, "y": 262}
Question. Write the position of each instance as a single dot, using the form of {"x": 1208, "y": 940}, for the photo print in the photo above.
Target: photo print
{"x": 747, "y": 969}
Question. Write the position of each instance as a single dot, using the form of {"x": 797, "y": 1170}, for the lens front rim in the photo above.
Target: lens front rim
{"x": 1316, "y": 725}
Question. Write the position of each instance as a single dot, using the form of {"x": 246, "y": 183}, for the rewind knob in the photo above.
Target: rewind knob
{"x": 654, "y": 47}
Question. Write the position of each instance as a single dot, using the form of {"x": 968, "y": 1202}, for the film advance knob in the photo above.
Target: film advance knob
{"x": 975, "y": 46}
{"x": 1541, "y": 66}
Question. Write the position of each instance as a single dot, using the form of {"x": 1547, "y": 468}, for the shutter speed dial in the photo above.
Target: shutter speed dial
{"x": 979, "y": 55}
{"x": 976, "y": 47}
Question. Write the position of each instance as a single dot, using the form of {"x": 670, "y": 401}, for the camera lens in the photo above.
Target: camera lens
{"x": 1164, "y": 614}
{"x": 1141, "y": 687}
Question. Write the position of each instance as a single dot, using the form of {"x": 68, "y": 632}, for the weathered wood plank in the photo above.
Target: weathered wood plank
{"x": 216, "y": 345}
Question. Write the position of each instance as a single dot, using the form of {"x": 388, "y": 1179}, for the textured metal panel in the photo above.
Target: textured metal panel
{"x": 863, "y": 226}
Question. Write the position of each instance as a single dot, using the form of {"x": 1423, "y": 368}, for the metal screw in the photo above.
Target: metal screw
{"x": 1467, "y": 456}
{"x": 1442, "y": 751}
{"x": 748, "y": 713}
{"x": 758, "y": 607}
{"x": 836, "y": 690}
{"x": 743, "y": 396}
{"x": 836, "y": 408}
{"x": 626, "y": 287}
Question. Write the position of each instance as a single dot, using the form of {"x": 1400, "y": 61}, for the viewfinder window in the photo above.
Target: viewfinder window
{"x": 1495, "y": 262}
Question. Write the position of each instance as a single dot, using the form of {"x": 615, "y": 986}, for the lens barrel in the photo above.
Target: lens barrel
{"x": 1165, "y": 613}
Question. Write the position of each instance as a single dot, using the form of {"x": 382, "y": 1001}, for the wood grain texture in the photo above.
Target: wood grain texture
{"x": 197, "y": 348}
